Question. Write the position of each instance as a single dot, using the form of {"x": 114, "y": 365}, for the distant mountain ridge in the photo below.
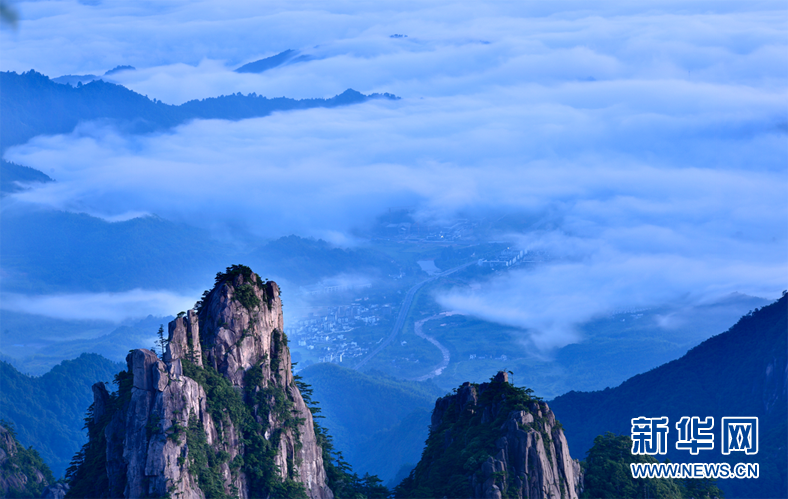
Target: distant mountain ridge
{"x": 77, "y": 80}
{"x": 13, "y": 176}
{"x": 306, "y": 260}
{"x": 48, "y": 250}
{"x": 32, "y": 104}
{"x": 269, "y": 62}
{"x": 38, "y": 243}
{"x": 373, "y": 439}
{"x": 742, "y": 372}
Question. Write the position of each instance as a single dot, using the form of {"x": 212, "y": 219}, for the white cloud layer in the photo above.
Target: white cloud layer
{"x": 594, "y": 277}
{"x": 651, "y": 136}
{"x": 113, "y": 307}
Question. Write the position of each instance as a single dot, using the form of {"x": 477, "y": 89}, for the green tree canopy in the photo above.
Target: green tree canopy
{"x": 608, "y": 474}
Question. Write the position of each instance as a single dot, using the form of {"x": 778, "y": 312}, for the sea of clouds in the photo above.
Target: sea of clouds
{"x": 650, "y": 135}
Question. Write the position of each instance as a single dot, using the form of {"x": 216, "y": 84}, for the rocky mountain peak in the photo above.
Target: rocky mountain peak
{"x": 494, "y": 440}
{"x": 237, "y": 325}
{"x": 219, "y": 415}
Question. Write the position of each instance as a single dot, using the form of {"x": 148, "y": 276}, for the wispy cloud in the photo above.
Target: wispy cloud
{"x": 113, "y": 307}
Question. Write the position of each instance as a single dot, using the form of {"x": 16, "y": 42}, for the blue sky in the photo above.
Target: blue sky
{"x": 648, "y": 139}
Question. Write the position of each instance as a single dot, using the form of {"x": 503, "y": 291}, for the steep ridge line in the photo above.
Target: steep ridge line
{"x": 740, "y": 372}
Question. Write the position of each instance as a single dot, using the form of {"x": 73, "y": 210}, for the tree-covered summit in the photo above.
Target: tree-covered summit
{"x": 493, "y": 440}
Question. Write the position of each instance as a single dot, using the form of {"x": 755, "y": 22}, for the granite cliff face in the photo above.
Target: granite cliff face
{"x": 491, "y": 441}
{"x": 22, "y": 471}
{"x": 219, "y": 416}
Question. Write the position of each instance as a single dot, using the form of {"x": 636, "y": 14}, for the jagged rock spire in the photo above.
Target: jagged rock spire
{"x": 235, "y": 333}
{"x": 239, "y": 323}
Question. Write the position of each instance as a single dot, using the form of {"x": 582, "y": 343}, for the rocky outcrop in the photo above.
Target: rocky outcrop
{"x": 495, "y": 440}
{"x": 56, "y": 491}
{"x": 219, "y": 414}
{"x": 535, "y": 454}
{"x": 22, "y": 472}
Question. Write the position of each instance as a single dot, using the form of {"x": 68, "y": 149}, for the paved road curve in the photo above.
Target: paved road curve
{"x": 437, "y": 370}
{"x": 403, "y": 313}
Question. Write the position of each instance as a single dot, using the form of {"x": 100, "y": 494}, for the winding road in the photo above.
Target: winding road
{"x": 437, "y": 370}
{"x": 403, "y": 313}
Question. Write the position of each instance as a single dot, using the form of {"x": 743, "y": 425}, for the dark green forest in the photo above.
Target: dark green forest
{"x": 48, "y": 411}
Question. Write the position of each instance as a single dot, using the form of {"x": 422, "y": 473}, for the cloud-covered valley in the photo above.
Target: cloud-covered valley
{"x": 646, "y": 142}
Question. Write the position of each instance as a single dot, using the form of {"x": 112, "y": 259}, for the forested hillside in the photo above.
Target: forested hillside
{"x": 608, "y": 473}
{"x": 741, "y": 372}
{"x": 48, "y": 412}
